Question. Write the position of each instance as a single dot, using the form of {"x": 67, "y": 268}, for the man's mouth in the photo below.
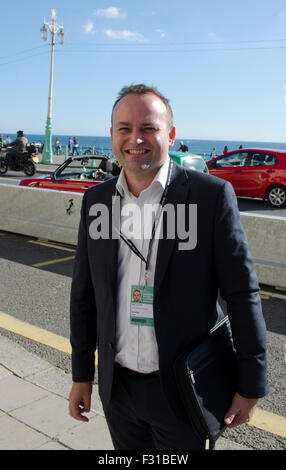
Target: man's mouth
{"x": 136, "y": 151}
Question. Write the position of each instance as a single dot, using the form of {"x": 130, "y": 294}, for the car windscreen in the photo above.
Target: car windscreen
{"x": 194, "y": 164}
{"x": 78, "y": 166}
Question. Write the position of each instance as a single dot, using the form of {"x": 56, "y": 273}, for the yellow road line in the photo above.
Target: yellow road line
{"x": 269, "y": 422}
{"x": 262, "y": 419}
{"x": 55, "y": 244}
{"x": 45, "y": 263}
{"x": 60, "y": 343}
{"x": 34, "y": 333}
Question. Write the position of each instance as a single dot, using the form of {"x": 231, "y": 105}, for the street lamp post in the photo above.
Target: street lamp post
{"x": 53, "y": 28}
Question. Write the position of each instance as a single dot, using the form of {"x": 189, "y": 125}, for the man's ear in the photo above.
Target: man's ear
{"x": 172, "y": 135}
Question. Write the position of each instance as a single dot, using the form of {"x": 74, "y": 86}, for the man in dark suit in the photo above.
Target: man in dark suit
{"x": 138, "y": 343}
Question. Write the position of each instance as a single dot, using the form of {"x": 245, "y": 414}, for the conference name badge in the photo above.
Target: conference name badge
{"x": 141, "y": 306}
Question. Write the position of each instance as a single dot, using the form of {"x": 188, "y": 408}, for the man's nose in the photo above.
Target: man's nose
{"x": 137, "y": 136}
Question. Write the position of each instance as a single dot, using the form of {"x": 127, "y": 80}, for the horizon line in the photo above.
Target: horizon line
{"x": 177, "y": 138}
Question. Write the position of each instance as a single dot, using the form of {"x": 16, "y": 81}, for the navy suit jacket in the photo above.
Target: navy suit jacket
{"x": 186, "y": 289}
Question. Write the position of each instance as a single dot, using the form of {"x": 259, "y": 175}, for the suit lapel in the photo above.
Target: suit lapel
{"x": 110, "y": 250}
{"x": 177, "y": 194}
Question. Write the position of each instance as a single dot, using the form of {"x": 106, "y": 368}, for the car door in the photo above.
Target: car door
{"x": 257, "y": 173}
{"x": 229, "y": 168}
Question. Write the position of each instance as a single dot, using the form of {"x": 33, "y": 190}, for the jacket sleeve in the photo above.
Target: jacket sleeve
{"x": 240, "y": 289}
{"x": 83, "y": 330}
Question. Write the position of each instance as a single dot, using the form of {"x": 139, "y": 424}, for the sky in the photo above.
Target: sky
{"x": 221, "y": 63}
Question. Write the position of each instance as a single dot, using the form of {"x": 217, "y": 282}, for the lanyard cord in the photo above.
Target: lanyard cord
{"x": 162, "y": 202}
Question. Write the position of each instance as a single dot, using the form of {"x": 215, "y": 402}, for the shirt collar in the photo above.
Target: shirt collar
{"x": 160, "y": 180}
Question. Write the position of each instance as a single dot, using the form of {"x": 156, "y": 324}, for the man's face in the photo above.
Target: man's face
{"x": 141, "y": 134}
{"x": 136, "y": 296}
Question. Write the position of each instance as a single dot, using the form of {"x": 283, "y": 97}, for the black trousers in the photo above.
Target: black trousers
{"x": 139, "y": 417}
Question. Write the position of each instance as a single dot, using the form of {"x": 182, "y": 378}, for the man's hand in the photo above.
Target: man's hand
{"x": 79, "y": 400}
{"x": 241, "y": 410}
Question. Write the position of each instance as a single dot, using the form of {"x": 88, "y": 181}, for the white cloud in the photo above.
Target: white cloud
{"x": 161, "y": 32}
{"x": 89, "y": 28}
{"x": 110, "y": 12}
{"x": 124, "y": 34}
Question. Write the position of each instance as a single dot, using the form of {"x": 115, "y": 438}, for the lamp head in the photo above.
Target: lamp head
{"x": 44, "y": 32}
{"x": 61, "y": 35}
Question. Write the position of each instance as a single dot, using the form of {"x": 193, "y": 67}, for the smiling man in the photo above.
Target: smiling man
{"x": 138, "y": 343}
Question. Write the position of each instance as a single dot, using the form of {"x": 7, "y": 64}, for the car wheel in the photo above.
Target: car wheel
{"x": 276, "y": 195}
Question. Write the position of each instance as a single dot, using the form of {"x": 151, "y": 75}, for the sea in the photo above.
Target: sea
{"x": 102, "y": 145}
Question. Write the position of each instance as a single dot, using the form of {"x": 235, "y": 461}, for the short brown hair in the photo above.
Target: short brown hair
{"x": 141, "y": 89}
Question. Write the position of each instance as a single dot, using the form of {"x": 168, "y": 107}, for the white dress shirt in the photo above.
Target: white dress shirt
{"x": 136, "y": 346}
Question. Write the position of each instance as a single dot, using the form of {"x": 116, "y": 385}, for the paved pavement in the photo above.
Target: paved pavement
{"x": 34, "y": 407}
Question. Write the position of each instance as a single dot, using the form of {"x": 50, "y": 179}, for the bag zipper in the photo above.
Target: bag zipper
{"x": 217, "y": 325}
{"x": 191, "y": 373}
{"x": 194, "y": 401}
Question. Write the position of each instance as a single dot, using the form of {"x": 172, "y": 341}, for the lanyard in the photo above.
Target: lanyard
{"x": 131, "y": 244}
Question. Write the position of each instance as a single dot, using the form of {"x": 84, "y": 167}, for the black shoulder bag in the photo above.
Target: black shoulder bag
{"x": 207, "y": 381}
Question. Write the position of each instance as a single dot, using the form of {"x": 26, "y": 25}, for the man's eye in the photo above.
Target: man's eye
{"x": 149, "y": 129}
{"x": 123, "y": 129}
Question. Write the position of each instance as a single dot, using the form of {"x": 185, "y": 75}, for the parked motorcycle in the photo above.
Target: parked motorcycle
{"x": 24, "y": 162}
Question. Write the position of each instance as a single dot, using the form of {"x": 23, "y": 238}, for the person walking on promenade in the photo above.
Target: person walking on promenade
{"x": 183, "y": 147}
{"x": 225, "y": 150}
{"x": 57, "y": 146}
{"x": 8, "y": 141}
{"x": 213, "y": 152}
{"x": 75, "y": 146}
{"x": 137, "y": 384}
{"x": 70, "y": 146}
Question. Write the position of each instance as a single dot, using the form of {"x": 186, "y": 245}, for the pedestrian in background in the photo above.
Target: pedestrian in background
{"x": 57, "y": 146}
{"x": 75, "y": 146}
{"x": 70, "y": 145}
{"x": 183, "y": 147}
{"x": 8, "y": 141}
{"x": 213, "y": 153}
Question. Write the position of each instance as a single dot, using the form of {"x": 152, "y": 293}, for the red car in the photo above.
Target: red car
{"x": 76, "y": 174}
{"x": 259, "y": 173}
